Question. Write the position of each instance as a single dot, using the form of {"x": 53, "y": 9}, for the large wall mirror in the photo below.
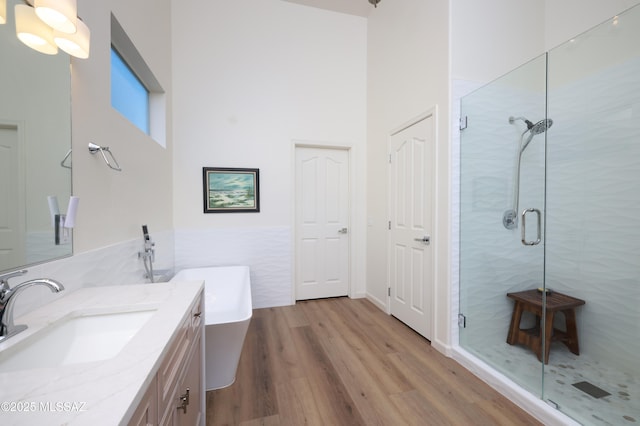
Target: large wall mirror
{"x": 35, "y": 138}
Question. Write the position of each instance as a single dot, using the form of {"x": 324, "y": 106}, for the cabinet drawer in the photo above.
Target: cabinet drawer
{"x": 191, "y": 382}
{"x": 189, "y": 385}
{"x": 173, "y": 363}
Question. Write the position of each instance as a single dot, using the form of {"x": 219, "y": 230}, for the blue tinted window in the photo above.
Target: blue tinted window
{"x": 128, "y": 95}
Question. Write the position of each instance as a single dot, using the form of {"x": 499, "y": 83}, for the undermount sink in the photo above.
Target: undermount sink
{"x": 76, "y": 339}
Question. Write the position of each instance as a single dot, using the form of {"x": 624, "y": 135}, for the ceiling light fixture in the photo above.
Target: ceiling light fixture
{"x": 375, "y": 2}
{"x": 45, "y": 25}
{"x": 61, "y": 15}
{"x": 33, "y": 32}
{"x": 76, "y": 44}
{"x": 3, "y": 12}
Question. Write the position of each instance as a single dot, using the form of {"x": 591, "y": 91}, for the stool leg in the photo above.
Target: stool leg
{"x": 572, "y": 331}
{"x": 514, "y": 327}
{"x": 548, "y": 332}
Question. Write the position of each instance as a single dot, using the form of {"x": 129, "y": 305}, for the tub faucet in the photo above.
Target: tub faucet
{"x": 8, "y": 296}
{"x": 148, "y": 256}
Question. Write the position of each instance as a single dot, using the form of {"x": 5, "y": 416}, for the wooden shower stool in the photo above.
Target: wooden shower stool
{"x": 531, "y": 301}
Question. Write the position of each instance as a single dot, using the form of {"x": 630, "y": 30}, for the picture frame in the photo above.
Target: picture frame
{"x": 230, "y": 190}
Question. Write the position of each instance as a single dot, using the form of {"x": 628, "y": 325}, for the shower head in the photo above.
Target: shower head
{"x": 534, "y": 129}
{"x": 541, "y": 126}
{"x": 537, "y": 128}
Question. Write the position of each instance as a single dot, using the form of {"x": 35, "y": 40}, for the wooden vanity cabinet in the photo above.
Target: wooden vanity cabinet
{"x": 174, "y": 397}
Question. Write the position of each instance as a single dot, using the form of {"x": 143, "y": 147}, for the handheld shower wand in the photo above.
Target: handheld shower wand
{"x": 510, "y": 217}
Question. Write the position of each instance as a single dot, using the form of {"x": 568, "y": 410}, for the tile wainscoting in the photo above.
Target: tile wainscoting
{"x": 267, "y": 252}
{"x": 117, "y": 264}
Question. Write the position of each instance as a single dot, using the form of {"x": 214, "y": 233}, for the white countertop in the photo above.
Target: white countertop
{"x": 101, "y": 392}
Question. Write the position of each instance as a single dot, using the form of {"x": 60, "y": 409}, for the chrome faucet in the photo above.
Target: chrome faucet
{"x": 149, "y": 253}
{"x": 8, "y": 296}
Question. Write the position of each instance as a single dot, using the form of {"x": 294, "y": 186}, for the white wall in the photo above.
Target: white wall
{"x": 408, "y": 73}
{"x": 492, "y": 37}
{"x": 250, "y": 78}
{"x": 114, "y": 205}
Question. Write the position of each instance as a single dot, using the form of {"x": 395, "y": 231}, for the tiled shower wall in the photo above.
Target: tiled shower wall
{"x": 593, "y": 198}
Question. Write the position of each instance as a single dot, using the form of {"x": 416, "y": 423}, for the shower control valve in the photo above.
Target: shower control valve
{"x": 510, "y": 219}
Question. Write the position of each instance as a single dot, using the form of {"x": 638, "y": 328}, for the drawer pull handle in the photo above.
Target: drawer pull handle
{"x": 184, "y": 401}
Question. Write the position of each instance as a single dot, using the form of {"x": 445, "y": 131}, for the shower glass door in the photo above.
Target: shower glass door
{"x": 502, "y": 154}
{"x": 560, "y": 136}
{"x": 593, "y": 233}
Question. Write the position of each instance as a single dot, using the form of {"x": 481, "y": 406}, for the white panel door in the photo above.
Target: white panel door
{"x": 411, "y": 223}
{"x": 322, "y": 223}
{"x": 12, "y": 234}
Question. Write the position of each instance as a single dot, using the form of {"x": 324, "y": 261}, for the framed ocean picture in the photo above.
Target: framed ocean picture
{"x": 230, "y": 190}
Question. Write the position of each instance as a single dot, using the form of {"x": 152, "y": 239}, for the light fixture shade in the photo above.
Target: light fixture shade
{"x": 33, "y": 32}
{"x": 76, "y": 44}
{"x": 61, "y": 15}
{"x": 3, "y": 11}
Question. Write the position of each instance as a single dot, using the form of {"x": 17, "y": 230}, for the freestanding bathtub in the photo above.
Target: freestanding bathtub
{"x": 228, "y": 308}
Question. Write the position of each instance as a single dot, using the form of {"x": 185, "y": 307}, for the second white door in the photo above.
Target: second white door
{"x": 411, "y": 224}
{"x": 322, "y": 223}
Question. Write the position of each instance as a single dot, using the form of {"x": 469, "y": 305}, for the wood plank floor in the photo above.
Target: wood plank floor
{"x": 344, "y": 362}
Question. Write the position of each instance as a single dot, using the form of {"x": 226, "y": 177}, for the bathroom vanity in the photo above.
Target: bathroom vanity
{"x": 174, "y": 395}
{"x": 108, "y": 355}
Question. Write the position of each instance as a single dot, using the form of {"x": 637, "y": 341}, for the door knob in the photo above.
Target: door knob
{"x": 426, "y": 239}
{"x": 342, "y": 231}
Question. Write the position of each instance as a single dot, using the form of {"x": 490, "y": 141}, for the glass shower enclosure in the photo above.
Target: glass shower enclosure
{"x": 549, "y": 207}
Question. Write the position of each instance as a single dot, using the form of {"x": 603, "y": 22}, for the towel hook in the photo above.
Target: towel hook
{"x": 93, "y": 148}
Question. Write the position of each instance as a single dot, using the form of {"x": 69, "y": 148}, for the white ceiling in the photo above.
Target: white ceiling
{"x": 352, "y": 7}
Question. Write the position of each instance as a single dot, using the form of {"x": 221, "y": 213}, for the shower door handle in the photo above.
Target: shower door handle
{"x": 524, "y": 227}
